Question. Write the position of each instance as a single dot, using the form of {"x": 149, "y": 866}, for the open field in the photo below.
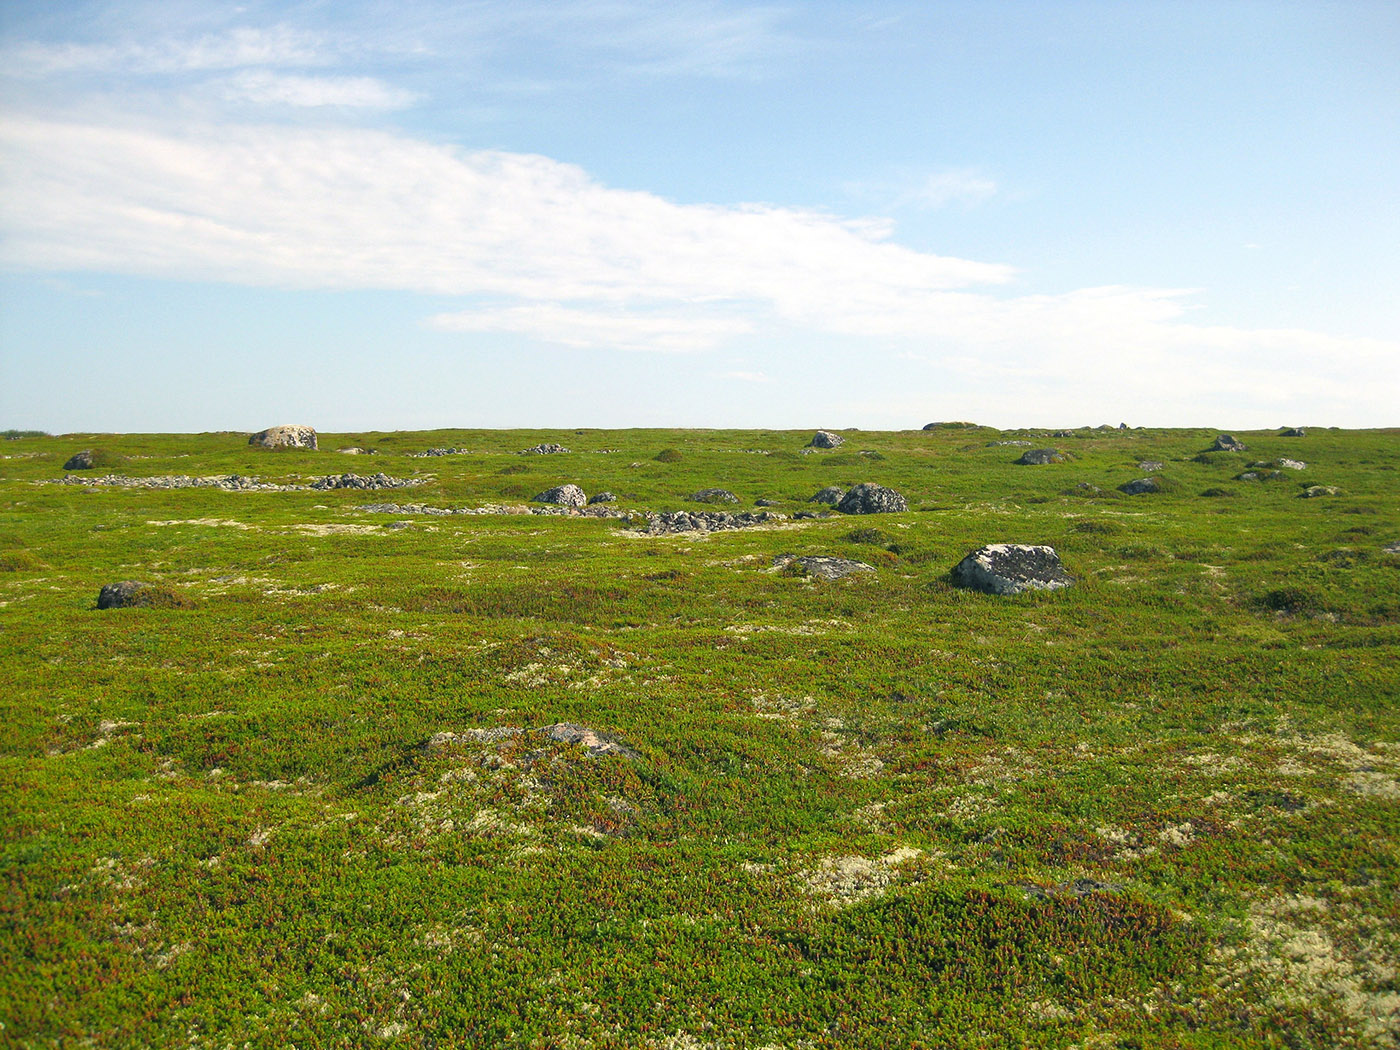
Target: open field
{"x": 333, "y": 790}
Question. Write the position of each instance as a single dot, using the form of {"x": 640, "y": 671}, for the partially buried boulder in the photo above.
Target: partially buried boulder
{"x": 602, "y": 497}
{"x": 133, "y": 594}
{"x": 831, "y": 495}
{"x": 1140, "y": 487}
{"x": 825, "y": 439}
{"x": 563, "y": 496}
{"x": 1293, "y": 432}
{"x": 290, "y": 435}
{"x": 80, "y": 461}
{"x": 1227, "y": 443}
{"x": 821, "y": 566}
{"x": 869, "y": 498}
{"x": 1012, "y": 568}
{"x": 713, "y": 496}
{"x": 1035, "y": 457}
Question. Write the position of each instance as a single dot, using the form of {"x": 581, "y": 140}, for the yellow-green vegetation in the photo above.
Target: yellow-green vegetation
{"x": 503, "y": 779}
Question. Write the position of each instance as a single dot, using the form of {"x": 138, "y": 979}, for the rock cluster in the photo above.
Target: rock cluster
{"x": 542, "y": 450}
{"x": 563, "y": 496}
{"x": 79, "y": 461}
{"x": 1150, "y": 464}
{"x": 240, "y": 483}
{"x": 825, "y": 439}
{"x": 822, "y": 566}
{"x": 713, "y": 496}
{"x": 288, "y": 436}
{"x": 869, "y": 498}
{"x": 706, "y": 521}
{"x": 427, "y": 452}
{"x": 1039, "y": 456}
{"x": 355, "y": 481}
{"x": 1012, "y": 568}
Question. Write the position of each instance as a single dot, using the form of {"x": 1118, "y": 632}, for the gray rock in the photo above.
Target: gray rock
{"x": 429, "y": 452}
{"x": 288, "y": 436}
{"x": 831, "y": 495}
{"x": 1226, "y": 443}
{"x": 1063, "y": 434}
{"x": 1012, "y": 568}
{"x": 355, "y": 481}
{"x": 543, "y": 450}
{"x": 825, "y": 439}
{"x": 1016, "y": 444}
{"x": 1259, "y": 475}
{"x": 133, "y": 594}
{"x": 869, "y": 498}
{"x": 713, "y": 496}
{"x": 1140, "y": 486}
{"x": 767, "y": 503}
{"x": 1392, "y": 548}
{"x": 1317, "y": 491}
{"x": 803, "y": 515}
{"x": 602, "y": 497}
{"x": 563, "y": 496}
{"x": 79, "y": 461}
{"x": 676, "y": 521}
{"x": 1040, "y": 456}
{"x": 1292, "y": 464}
{"x": 1150, "y": 464}
{"x": 1293, "y": 432}
{"x": 822, "y": 566}
{"x": 355, "y": 451}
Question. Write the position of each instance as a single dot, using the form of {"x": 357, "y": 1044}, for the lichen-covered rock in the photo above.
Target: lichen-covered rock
{"x": 1150, "y": 464}
{"x": 595, "y": 743}
{"x": 831, "y": 495}
{"x": 80, "y": 461}
{"x": 1316, "y": 491}
{"x": 1034, "y": 457}
{"x": 569, "y": 495}
{"x": 713, "y": 496}
{"x": 1140, "y": 487}
{"x": 356, "y": 481}
{"x": 674, "y": 521}
{"x": 289, "y": 435}
{"x": 825, "y": 439}
{"x": 601, "y": 497}
{"x": 1012, "y": 568}
{"x": 1227, "y": 443}
{"x": 822, "y": 566}
{"x": 869, "y": 498}
{"x": 133, "y": 594}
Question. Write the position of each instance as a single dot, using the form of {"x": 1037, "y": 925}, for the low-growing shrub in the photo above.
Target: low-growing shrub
{"x": 877, "y": 537}
{"x": 20, "y": 561}
{"x": 1292, "y": 600}
{"x": 668, "y": 455}
{"x": 515, "y": 468}
{"x": 1097, "y": 528}
{"x": 1217, "y": 493}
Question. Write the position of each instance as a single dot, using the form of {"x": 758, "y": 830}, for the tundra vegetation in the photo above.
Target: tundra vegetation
{"x": 391, "y": 777}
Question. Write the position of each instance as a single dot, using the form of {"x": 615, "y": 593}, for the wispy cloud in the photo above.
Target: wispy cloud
{"x": 228, "y": 49}
{"x": 930, "y": 189}
{"x": 597, "y": 327}
{"x": 267, "y": 88}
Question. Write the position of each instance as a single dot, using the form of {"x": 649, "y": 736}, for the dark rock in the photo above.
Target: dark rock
{"x": 767, "y": 503}
{"x": 563, "y": 496}
{"x": 831, "y": 495}
{"x": 602, "y": 497}
{"x": 1122, "y": 426}
{"x": 806, "y": 514}
{"x": 825, "y": 439}
{"x": 1040, "y": 456}
{"x": 1140, "y": 486}
{"x": 822, "y": 566}
{"x": 1012, "y": 568}
{"x": 713, "y": 496}
{"x": 80, "y": 461}
{"x": 1293, "y": 432}
{"x": 869, "y": 498}
{"x": 133, "y": 594}
{"x": 1316, "y": 491}
{"x": 288, "y": 436}
{"x": 1226, "y": 443}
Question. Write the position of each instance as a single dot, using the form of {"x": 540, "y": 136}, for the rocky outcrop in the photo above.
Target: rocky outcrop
{"x": 713, "y": 496}
{"x": 1012, "y": 568}
{"x": 241, "y": 483}
{"x": 80, "y": 461}
{"x": 821, "y": 566}
{"x": 706, "y": 521}
{"x": 1227, "y": 443}
{"x": 831, "y": 495}
{"x": 290, "y": 435}
{"x": 869, "y": 498}
{"x": 1150, "y": 464}
{"x": 543, "y": 450}
{"x": 569, "y": 495}
{"x": 1035, "y": 457}
{"x": 825, "y": 439}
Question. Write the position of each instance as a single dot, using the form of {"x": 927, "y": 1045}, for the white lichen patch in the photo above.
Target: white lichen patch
{"x": 1213, "y": 764}
{"x": 212, "y": 523}
{"x": 1180, "y": 836}
{"x": 1372, "y": 784}
{"x": 842, "y": 881}
{"x": 806, "y": 629}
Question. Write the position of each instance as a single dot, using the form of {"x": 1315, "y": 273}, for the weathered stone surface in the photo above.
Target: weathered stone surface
{"x": 1012, "y": 568}
{"x": 1279, "y": 464}
{"x": 133, "y": 594}
{"x": 869, "y": 498}
{"x": 713, "y": 496}
{"x": 239, "y": 482}
{"x": 563, "y": 496}
{"x": 1039, "y": 456}
{"x": 831, "y": 495}
{"x": 355, "y": 481}
{"x": 706, "y": 521}
{"x": 429, "y": 452}
{"x": 825, "y": 439}
{"x": 595, "y": 743}
{"x": 602, "y": 497}
{"x": 1392, "y": 548}
{"x": 1316, "y": 491}
{"x": 822, "y": 566}
{"x": 543, "y": 450}
{"x": 1140, "y": 487}
{"x": 290, "y": 435}
{"x": 1226, "y": 443}
{"x": 79, "y": 461}
{"x": 1293, "y": 432}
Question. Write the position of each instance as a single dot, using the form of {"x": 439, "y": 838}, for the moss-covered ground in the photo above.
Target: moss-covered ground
{"x": 1158, "y": 809}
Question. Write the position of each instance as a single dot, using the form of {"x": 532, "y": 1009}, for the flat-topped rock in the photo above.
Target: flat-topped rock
{"x": 825, "y": 439}
{"x": 870, "y": 498}
{"x": 821, "y": 566}
{"x": 569, "y": 495}
{"x": 290, "y": 435}
{"x": 1012, "y": 568}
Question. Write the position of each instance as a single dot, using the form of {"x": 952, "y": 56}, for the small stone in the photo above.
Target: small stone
{"x": 825, "y": 439}
{"x": 822, "y": 566}
{"x": 1040, "y": 456}
{"x": 79, "y": 461}
{"x": 287, "y": 436}
{"x": 869, "y": 498}
{"x": 713, "y": 496}
{"x": 1012, "y": 568}
{"x": 563, "y": 496}
{"x": 1227, "y": 443}
{"x": 1140, "y": 486}
{"x": 831, "y": 495}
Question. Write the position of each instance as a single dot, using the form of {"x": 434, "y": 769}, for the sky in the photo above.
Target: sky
{"x": 704, "y": 213}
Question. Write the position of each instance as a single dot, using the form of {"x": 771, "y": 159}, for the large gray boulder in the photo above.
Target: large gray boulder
{"x": 825, "y": 439}
{"x": 870, "y": 498}
{"x": 289, "y": 435}
{"x": 1140, "y": 487}
{"x": 1034, "y": 457}
{"x": 1012, "y": 568}
{"x": 563, "y": 496}
{"x": 1227, "y": 443}
{"x": 80, "y": 461}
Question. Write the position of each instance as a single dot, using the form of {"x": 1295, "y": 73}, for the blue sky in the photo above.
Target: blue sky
{"x": 588, "y": 213}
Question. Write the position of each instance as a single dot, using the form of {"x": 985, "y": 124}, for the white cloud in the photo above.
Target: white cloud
{"x": 591, "y": 328}
{"x": 229, "y": 49}
{"x": 263, "y": 87}
{"x": 943, "y": 188}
